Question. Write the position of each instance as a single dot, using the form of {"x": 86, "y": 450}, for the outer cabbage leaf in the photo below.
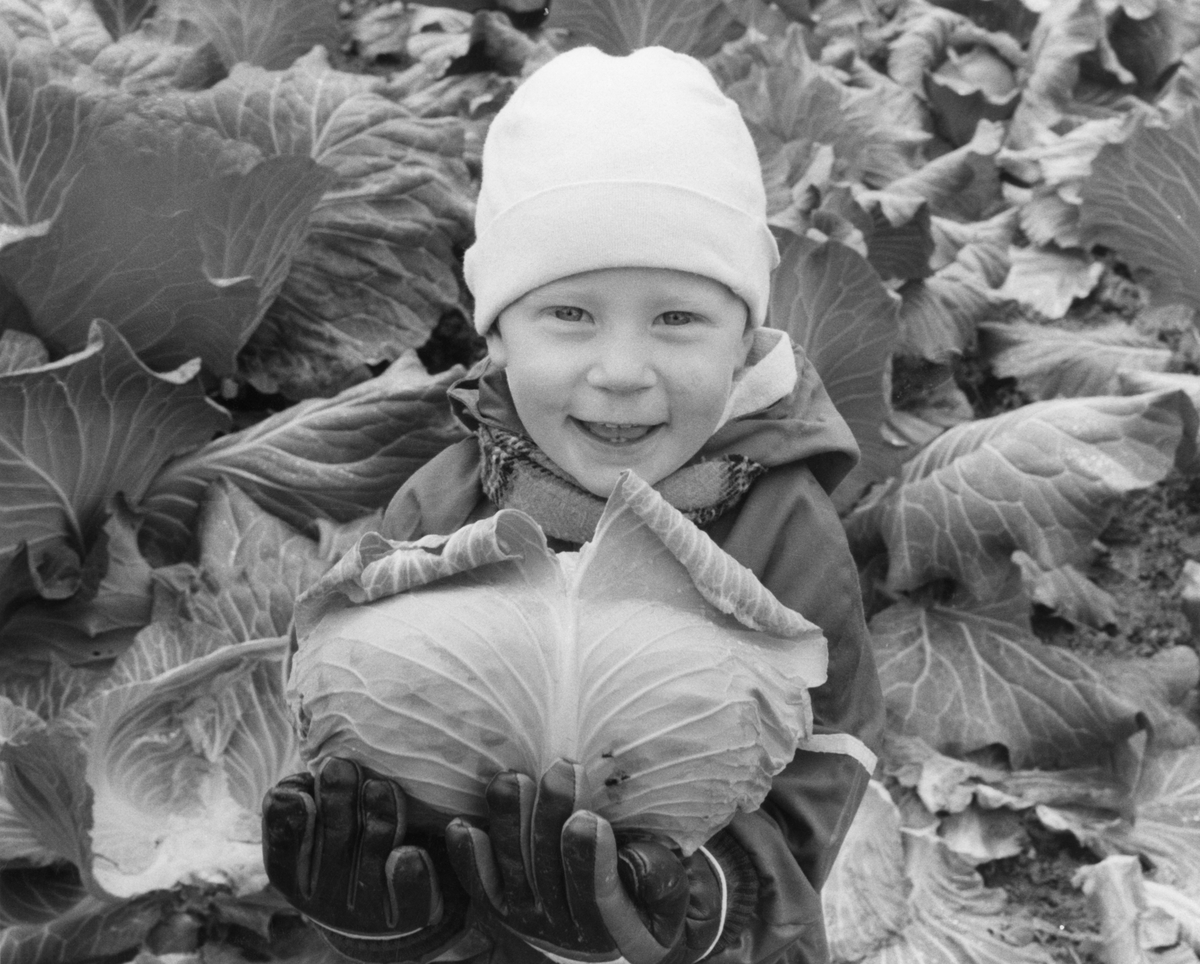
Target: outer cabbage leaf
{"x": 932, "y": 906}
{"x": 833, "y": 304}
{"x": 252, "y": 567}
{"x": 792, "y": 104}
{"x": 1049, "y": 281}
{"x": 47, "y": 127}
{"x": 1141, "y": 201}
{"x": 70, "y": 25}
{"x": 123, "y": 17}
{"x": 445, "y": 661}
{"x": 619, "y": 27}
{"x": 17, "y": 839}
{"x": 37, "y": 894}
{"x": 327, "y": 458}
{"x": 267, "y": 33}
{"x": 157, "y": 779}
{"x": 865, "y": 897}
{"x": 175, "y": 287}
{"x": 376, "y": 270}
{"x": 1160, "y": 824}
{"x": 99, "y": 619}
{"x": 92, "y": 930}
{"x": 1051, "y": 362}
{"x": 1044, "y": 479}
{"x": 79, "y": 430}
{"x": 1068, "y": 592}
{"x": 964, "y": 678}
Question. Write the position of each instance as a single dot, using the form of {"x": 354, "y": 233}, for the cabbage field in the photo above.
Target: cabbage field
{"x": 231, "y": 302}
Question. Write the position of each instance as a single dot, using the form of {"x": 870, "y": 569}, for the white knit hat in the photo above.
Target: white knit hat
{"x": 618, "y": 162}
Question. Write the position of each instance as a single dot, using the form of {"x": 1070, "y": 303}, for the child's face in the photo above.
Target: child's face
{"x": 622, "y": 368}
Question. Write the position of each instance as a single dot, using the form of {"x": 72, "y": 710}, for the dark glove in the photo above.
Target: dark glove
{"x": 339, "y": 849}
{"x": 558, "y": 878}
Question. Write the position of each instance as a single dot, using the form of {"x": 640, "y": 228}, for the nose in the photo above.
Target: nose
{"x": 622, "y": 362}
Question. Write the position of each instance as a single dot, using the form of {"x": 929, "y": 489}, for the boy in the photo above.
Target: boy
{"x": 621, "y": 274}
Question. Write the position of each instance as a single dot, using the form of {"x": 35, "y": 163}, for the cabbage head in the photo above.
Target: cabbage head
{"x": 650, "y": 657}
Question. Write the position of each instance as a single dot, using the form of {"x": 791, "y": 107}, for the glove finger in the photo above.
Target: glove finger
{"x": 556, "y": 801}
{"x": 510, "y": 799}
{"x": 381, "y": 817}
{"x": 471, "y": 857}
{"x": 413, "y": 892}
{"x": 590, "y": 856}
{"x": 337, "y": 799}
{"x": 659, "y": 886}
{"x": 288, "y": 824}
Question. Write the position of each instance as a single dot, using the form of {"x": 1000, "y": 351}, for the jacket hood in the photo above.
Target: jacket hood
{"x": 801, "y": 426}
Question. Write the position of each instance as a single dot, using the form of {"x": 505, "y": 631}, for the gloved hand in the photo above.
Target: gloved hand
{"x": 558, "y": 878}
{"x": 340, "y": 850}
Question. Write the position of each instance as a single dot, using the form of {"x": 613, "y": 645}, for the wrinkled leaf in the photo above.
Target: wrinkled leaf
{"x": 79, "y": 430}
{"x": 71, "y": 25}
{"x": 336, "y": 458}
{"x": 965, "y": 678}
{"x": 157, "y": 779}
{"x": 375, "y": 272}
{"x": 948, "y": 917}
{"x": 113, "y": 602}
{"x": 793, "y": 104}
{"x": 832, "y": 303}
{"x": 947, "y": 785}
{"x": 618, "y": 27}
{"x": 1141, "y": 201}
{"x": 1050, "y": 362}
{"x": 175, "y": 287}
{"x": 252, "y": 567}
{"x": 980, "y": 836}
{"x": 574, "y": 656}
{"x": 1068, "y": 593}
{"x": 958, "y": 100}
{"x": 1044, "y": 479}
{"x": 266, "y": 33}
{"x": 1163, "y": 687}
{"x": 1049, "y": 281}
{"x": 1131, "y": 931}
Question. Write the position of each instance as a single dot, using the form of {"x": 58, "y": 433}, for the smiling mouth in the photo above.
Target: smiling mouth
{"x": 616, "y": 433}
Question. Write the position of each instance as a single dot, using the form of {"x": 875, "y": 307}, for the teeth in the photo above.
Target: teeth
{"x": 617, "y": 432}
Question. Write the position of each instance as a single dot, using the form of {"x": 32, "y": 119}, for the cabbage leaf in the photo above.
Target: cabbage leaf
{"x": 79, "y": 430}
{"x": 174, "y": 287}
{"x": 1044, "y": 479}
{"x": 268, "y": 33}
{"x": 833, "y": 304}
{"x": 619, "y": 27}
{"x": 966, "y": 677}
{"x": 324, "y": 458}
{"x": 252, "y": 567}
{"x": 444, "y": 661}
{"x": 1141, "y": 201}
{"x": 374, "y": 273}
{"x": 156, "y": 778}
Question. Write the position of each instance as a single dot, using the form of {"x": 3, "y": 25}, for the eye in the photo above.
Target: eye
{"x": 676, "y": 318}
{"x": 568, "y": 313}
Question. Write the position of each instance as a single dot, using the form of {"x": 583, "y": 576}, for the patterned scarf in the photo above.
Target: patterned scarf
{"x": 517, "y": 475}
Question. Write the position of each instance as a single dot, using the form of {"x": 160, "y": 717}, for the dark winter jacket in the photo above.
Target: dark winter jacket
{"x": 787, "y": 532}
